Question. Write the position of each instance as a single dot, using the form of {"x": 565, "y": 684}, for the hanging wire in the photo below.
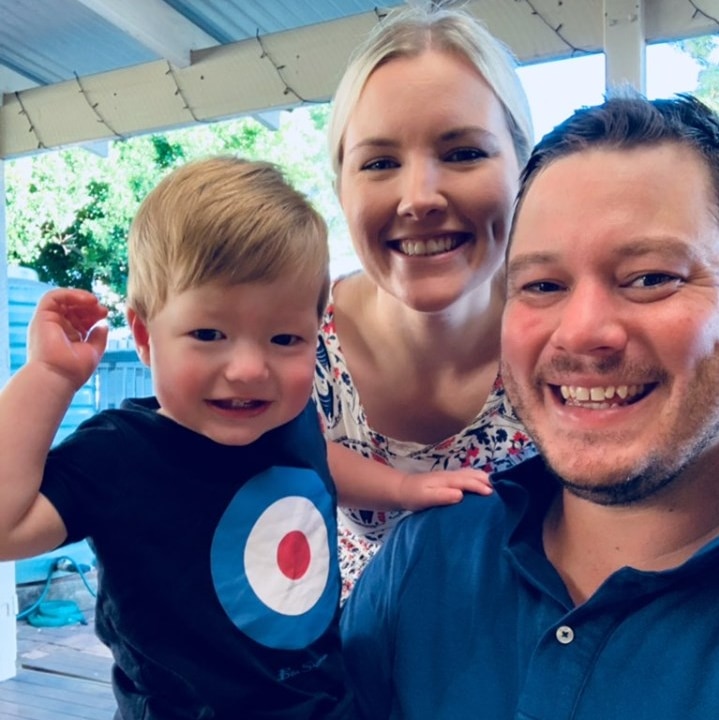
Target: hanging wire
{"x": 178, "y": 92}
{"x": 96, "y": 109}
{"x": 288, "y": 89}
{"x": 557, "y": 30}
{"x": 699, "y": 11}
{"x": 23, "y": 111}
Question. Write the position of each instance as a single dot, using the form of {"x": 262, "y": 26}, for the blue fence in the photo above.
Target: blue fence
{"x": 120, "y": 374}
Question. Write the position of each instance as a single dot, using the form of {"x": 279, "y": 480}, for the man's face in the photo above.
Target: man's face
{"x": 611, "y": 325}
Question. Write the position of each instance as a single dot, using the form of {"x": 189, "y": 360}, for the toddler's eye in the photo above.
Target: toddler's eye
{"x": 207, "y": 335}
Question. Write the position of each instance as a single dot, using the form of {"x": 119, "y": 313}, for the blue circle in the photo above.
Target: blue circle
{"x": 243, "y": 605}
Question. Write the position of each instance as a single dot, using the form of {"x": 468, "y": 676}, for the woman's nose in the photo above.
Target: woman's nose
{"x": 421, "y": 190}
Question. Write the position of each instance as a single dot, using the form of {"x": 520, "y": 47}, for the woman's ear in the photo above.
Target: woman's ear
{"x": 141, "y": 335}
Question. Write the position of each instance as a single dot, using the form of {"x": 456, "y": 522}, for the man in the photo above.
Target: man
{"x": 586, "y": 586}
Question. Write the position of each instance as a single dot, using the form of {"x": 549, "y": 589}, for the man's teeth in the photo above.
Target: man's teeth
{"x": 427, "y": 247}
{"x": 599, "y": 396}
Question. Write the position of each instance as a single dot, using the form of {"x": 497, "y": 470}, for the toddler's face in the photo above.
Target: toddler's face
{"x": 234, "y": 361}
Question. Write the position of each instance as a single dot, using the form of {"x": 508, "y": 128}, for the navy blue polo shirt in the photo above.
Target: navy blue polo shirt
{"x": 461, "y": 615}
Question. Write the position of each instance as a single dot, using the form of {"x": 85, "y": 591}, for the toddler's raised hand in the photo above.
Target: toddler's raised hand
{"x": 64, "y": 334}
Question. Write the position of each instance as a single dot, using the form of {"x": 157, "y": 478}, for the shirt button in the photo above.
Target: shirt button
{"x": 565, "y": 634}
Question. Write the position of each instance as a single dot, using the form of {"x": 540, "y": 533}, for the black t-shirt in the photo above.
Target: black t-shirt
{"x": 218, "y": 577}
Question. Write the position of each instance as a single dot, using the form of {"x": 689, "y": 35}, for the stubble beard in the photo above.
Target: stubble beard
{"x": 640, "y": 479}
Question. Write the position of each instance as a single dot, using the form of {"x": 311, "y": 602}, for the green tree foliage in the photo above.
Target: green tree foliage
{"x": 705, "y": 51}
{"x": 68, "y": 212}
{"x": 88, "y": 251}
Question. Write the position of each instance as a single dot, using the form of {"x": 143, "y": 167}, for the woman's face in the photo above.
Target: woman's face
{"x": 428, "y": 179}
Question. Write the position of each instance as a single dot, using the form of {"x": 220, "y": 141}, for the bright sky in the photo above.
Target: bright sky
{"x": 556, "y": 89}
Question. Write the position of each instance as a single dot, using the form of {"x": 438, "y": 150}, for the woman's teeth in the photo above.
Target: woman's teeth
{"x": 427, "y": 247}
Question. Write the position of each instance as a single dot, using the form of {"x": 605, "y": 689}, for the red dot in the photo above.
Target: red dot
{"x": 293, "y": 555}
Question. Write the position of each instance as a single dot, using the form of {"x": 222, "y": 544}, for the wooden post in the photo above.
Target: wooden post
{"x": 8, "y": 628}
{"x": 624, "y": 43}
{"x": 8, "y": 598}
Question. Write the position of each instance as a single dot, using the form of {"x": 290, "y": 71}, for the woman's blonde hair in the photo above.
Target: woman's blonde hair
{"x": 411, "y": 31}
{"x": 226, "y": 219}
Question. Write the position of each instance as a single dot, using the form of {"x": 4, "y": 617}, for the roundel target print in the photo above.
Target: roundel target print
{"x": 273, "y": 558}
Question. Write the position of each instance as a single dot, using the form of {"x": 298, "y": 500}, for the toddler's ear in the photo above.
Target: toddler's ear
{"x": 141, "y": 335}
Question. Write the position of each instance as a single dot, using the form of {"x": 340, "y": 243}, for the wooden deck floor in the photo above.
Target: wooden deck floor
{"x": 64, "y": 674}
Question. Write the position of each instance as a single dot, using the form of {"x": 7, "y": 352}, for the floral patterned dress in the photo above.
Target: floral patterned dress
{"x": 494, "y": 441}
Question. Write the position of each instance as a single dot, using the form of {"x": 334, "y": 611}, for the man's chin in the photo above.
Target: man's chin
{"x": 612, "y": 488}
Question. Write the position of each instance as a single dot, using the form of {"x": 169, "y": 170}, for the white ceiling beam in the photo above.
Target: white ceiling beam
{"x": 155, "y": 25}
{"x": 624, "y": 44}
{"x": 285, "y": 70}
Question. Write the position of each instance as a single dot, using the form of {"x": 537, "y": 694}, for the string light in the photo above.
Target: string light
{"x": 699, "y": 11}
{"x": 556, "y": 30}
{"x": 23, "y": 111}
{"x": 278, "y": 69}
{"x": 95, "y": 109}
{"x": 178, "y": 92}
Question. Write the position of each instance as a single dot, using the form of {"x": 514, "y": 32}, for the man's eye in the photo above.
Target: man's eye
{"x": 286, "y": 339}
{"x": 654, "y": 279}
{"x": 542, "y": 286}
{"x": 206, "y": 335}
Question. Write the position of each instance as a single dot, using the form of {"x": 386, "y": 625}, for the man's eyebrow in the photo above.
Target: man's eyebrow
{"x": 527, "y": 260}
{"x": 661, "y": 245}
{"x": 666, "y": 245}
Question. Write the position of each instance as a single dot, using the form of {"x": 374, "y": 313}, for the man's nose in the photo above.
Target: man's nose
{"x": 590, "y": 321}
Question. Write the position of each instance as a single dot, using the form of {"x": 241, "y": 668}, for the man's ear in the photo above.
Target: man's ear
{"x": 141, "y": 335}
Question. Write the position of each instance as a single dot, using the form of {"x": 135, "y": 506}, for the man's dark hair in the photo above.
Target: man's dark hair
{"x": 628, "y": 120}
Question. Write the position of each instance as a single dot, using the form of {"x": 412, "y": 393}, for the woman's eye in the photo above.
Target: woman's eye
{"x": 207, "y": 335}
{"x": 654, "y": 279}
{"x": 466, "y": 154}
{"x": 286, "y": 339}
{"x": 380, "y": 164}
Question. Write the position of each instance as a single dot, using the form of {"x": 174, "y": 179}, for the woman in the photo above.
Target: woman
{"x": 429, "y": 130}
